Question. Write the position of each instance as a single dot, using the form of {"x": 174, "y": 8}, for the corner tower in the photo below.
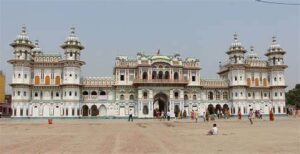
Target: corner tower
{"x": 71, "y": 74}
{"x": 276, "y": 78}
{"x": 22, "y": 77}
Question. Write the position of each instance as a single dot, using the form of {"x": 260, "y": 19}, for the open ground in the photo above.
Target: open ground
{"x": 149, "y": 136}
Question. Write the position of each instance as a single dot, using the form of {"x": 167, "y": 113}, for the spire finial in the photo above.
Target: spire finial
{"x": 235, "y": 36}
{"x": 72, "y": 30}
{"x": 36, "y": 42}
{"x": 274, "y": 39}
{"x": 23, "y": 29}
{"x": 251, "y": 48}
{"x": 158, "y": 52}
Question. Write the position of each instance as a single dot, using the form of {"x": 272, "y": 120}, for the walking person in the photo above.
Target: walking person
{"x": 162, "y": 116}
{"x": 168, "y": 115}
{"x": 203, "y": 116}
{"x": 196, "y": 116}
{"x": 250, "y": 116}
{"x": 130, "y": 115}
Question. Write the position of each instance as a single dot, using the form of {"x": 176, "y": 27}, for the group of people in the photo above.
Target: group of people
{"x": 258, "y": 115}
{"x": 162, "y": 115}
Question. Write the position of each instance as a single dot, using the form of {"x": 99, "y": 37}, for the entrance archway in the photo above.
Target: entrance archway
{"x": 85, "y": 110}
{"x": 211, "y": 109}
{"x": 161, "y": 102}
{"x": 225, "y": 108}
{"x": 218, "y": 108}
{"x": 95, "y": 110}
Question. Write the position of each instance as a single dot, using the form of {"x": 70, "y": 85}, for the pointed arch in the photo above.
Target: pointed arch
{"x": 265, "y": 82}
{"x": 249, "y": 82}
{"x": 47, "y": 80}
{"x": 57, "y": 80}
{"x": 256, "y": 82}
{"x": 36, "y": 80}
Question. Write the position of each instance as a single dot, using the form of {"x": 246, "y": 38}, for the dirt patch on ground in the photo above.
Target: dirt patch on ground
{"x": 149, "y": 136}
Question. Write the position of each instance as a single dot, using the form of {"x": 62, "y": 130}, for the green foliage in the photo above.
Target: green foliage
{"x": 293, "y": 96}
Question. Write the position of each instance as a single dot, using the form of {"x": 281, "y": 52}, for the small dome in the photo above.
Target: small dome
{"x": 160, "y": 57}
{"x": 252, "y": 55}
{"x": 236, "y": 45}
{"x": 23, "y": 39}
{"x": 36, "y": 50}
{"x": 23, "y": 35}
{"x": 72, "y": 40}
{"x": 275, "y": 47}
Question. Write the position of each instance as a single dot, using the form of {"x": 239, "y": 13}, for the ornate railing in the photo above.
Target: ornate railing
{"x": 160, "y": 81}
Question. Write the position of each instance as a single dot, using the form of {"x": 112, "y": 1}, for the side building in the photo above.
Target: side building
{"x": 51, "y": 85}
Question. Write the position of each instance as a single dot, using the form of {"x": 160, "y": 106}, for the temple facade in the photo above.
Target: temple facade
{"x": 51, "y": 85}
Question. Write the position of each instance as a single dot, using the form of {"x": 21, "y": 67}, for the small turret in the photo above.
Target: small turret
{"x": 275, "y": 53}
{"x": 236, "y": 51}
{"x": 22, "y": 46}
{"x": 36, "y": 50}
{"x": 72, "y": 46}
{"x": 252, "y": 55}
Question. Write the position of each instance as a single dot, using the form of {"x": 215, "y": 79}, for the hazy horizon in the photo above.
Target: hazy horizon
{"x": 200, "y": 29}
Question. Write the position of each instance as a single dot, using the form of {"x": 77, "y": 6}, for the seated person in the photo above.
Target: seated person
{"x": 214, "y": 130}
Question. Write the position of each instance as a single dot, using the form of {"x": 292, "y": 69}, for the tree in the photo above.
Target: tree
{"x": 293, "y": 96}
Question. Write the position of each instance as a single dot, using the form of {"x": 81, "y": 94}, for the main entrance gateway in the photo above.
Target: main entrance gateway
{"x": 160, "y": 103}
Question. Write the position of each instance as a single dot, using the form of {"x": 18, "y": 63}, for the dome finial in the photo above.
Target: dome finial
{"x": 274, "y": 39}
{"x": 36, "y": 42}
{"x": 235, "y": 36}
{"x": 23, "y": 29}
{"x": 251, "y": 48}
{"x": 72, "y": 30}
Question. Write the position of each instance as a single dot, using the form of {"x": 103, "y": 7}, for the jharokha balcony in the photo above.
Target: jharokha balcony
{"x": 160, "y": 81}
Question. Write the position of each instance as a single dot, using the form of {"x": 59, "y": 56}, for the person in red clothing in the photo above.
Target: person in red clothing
{"x": 271, "y": 115}
{"x": 240, "y": 115}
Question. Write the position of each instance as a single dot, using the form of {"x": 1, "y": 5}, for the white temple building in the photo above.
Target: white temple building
{"x": 51, "y": 85}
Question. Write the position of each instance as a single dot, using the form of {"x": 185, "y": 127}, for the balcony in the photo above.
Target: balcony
{"x": 160, "y": 81}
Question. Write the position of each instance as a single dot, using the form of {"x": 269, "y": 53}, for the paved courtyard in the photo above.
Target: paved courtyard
{"x": 149, "y": 136}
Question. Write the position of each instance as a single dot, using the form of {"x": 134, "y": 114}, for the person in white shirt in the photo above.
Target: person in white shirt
{"x": 130, "y": 115}
{"x": 213, "y": 131}
{"x": 168, "y": 115}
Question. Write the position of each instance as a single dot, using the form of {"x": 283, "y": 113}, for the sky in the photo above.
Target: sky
{"x": 202, "y": 29}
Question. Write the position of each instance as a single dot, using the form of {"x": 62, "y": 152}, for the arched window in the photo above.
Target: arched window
{"x": 265, "y": 82}
{"x": 194, "y": 97}
{"x": 85, "y": 93}
{"x": 102, "y": 93}
{"x": 145, "y": 95}
{"x": 167, "y": 75}
{"x": 154, "y": 75}
{"x": 249, "y": 82}
{"x": 256, "y": 82}
{"x": 176, "y": 95}
{"x": 36, "y": 80}
{"x": 160, "y": 75}
{"x": 122, "y": 97}
{"x": 145, "y": 76}
{"x": 186, "y": 97}
{"x": 47, "y": 80}
{"x": 176, "y": 76}
{"x": 210, "y": 95}
{"x": 225, "y": 95}
{"x": 145, "y": 109}
{"x": 94, "y": 93}
{"x": 57, "y": 80}
{"x": 131, "y": 97}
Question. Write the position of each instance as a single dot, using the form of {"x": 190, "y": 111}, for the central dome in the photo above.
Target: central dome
{"x": 157, "y": 57}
